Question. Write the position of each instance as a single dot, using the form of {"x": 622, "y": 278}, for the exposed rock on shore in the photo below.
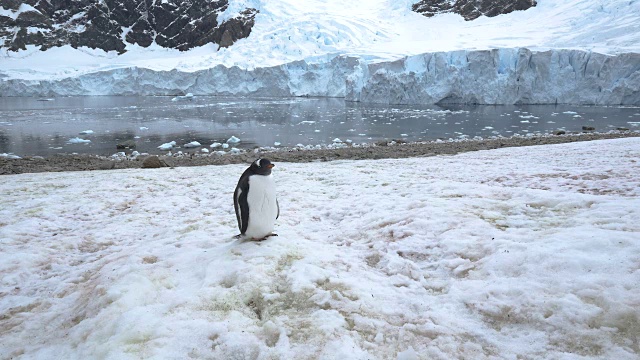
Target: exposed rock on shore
{"x": 92, "y": 162}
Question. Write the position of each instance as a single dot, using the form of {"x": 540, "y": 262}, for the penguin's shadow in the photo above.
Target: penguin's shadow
{"x": 239, "y": 240}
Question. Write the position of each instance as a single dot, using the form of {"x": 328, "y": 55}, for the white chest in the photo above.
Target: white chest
{"x": 263, "y": 208}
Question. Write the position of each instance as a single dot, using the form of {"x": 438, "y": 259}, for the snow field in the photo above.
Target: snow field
{"x": 527, "y": 252}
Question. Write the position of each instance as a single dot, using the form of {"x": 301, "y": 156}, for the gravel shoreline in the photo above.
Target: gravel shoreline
{"x": 380, "y": 150}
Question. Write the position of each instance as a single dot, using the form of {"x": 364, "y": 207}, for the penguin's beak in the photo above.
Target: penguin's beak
{"x": 270, "y": 166}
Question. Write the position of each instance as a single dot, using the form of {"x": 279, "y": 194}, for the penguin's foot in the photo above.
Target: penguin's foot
{"x": 266, "y": 237}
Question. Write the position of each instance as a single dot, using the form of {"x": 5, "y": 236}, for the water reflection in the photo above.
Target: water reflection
{"x": 32, "y": 127}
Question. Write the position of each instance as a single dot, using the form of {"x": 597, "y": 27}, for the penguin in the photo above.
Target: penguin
{"x": 255, "y": 201}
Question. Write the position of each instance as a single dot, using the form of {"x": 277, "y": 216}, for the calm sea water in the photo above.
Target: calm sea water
{"x": 30, "y": 126}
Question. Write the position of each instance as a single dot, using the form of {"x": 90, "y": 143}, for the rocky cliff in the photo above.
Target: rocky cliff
{"x": 111, "y": 24}
{"x": 500, "y": 76}
{"x": 471, "y": 9}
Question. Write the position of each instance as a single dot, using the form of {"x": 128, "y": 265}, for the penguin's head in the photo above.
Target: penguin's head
{"x": 262, "y": 167}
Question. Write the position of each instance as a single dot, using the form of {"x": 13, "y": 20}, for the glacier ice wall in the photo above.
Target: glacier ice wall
{"x": 500, "y": 76}
{"x": 504, "y": 76}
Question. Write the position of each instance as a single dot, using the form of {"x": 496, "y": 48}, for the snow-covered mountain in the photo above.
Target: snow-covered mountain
{"x": 571, "y": 51}
{"x": 471, "y": 9}
{"x": 111, "y": 25}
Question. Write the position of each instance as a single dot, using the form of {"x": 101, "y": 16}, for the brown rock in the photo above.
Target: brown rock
{"x": 153, "y": 162}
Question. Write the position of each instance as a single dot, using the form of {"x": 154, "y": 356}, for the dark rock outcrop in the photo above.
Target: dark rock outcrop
{"x": 471, "y": 9}
{"x": 111, "y": 24}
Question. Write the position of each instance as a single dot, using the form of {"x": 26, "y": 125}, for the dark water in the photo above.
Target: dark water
{"x": 30, "y": 126}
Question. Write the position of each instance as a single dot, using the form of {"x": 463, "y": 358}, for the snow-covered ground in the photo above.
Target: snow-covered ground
{"x": 373, "y": 30}
{"x": 519, "y": 253}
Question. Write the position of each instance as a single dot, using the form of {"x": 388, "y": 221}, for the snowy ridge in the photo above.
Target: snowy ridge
{"x": 501, "y": 76}
{"x": 526, "y": 253}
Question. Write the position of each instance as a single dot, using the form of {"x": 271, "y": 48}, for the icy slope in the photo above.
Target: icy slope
{"x": 513, "y": 253}
{"x": 290, "y": 30}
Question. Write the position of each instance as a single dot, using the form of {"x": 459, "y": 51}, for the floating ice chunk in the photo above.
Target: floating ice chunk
{"x": 167, "y": 146}
{"x": 225, "y": 146}
{"x": 307, "y": 122}
{"x": 300, "y": 145}
{"x": 337, "y": 140}
{"x": 143, "y": 128}
{"x": 10, "y": 156}
{"x": 577, "y": 116}
{"x": 188, "y": 96}
{"x": 135, "y": 154}
{"x": 86, "y": 132}
{"x": 235, "y": 151}
{"x": 570, "y": 112}
{"x": 527, "y": 117}
{"x": 233, "y": 140}
{"x": 78, "y": 140}
{"x": 404, "y": 135}
{"x": 215, "y": 145}
{"x": 193, "y": 144}
{"x": 276, "y": 144}
{"x": 349, "y": 141}
{"x": 205, "y": 150}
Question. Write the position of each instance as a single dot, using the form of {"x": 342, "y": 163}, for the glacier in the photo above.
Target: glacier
{"x": 496, "y": 76}
{"x": 503, "y": 77}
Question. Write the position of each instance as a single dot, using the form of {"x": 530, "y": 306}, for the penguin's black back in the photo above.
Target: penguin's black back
{"x": 240, "y": 200}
